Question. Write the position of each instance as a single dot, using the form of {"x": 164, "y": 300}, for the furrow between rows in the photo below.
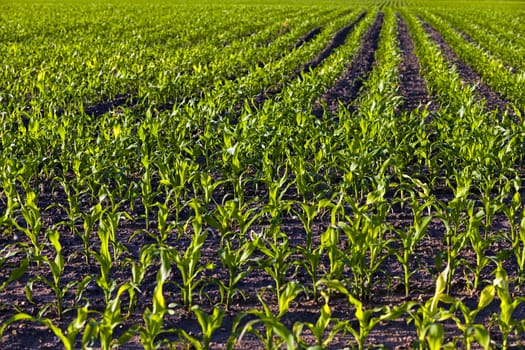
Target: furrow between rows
{"x": 412, "y": 84}
{"x": 347, "y": 87}
{"x": 468, "y": 74}
{"x": 338, "y": 40}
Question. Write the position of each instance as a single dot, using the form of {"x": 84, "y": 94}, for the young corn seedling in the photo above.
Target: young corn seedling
{"x": 138, "y": 272}
{"x": 410, "y": 238}
{"x": 275, "y": 334}
{"x": 479, "y": 245}
{"x": 367, "y": 319}
{"x": 207, "y": 185}
{"x": 508, "y": 305}
{"x": 276, "y": 206}
{"x": 473, "y": 331}
{"x": 189, "y": 263}
{"x": 276, "y": 263}
{"x": 518, "y": 247}
{"x": 56, "y": 266}
{"x": 34, "y": 224}
{"x": 235, "y": 259}
{"x": 164, "y": 226}
{"x": 104, "y": 256}
{"x": 72, "y": 210}
{"x": 320, "y": 328}
{"x": 451, "y": 215}
{"x": 311, "y": 260}
{"x": 154, "y": 317}
{"x": 366, "y": 244}
{"x": 67, "y": 337}
{"x": 13, "y": 200}
{"x": 208, "y": 323}
{"x": 427, "y": 316}
{"x": 232, "y": 217}
{"x": 109, "y": 222}
{"x": 330, "y": 241}
{"x": 176, "y": 175}
{"x": 89, "y": 220}
{"x": 103, "y": 329}
{"x": 146, "y": 186}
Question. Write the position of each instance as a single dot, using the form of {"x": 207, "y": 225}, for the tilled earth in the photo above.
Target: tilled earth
{"x": 387, "y": 288}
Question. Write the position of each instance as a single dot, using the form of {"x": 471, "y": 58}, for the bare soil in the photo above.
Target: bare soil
{"x": 387, "y": 287}
{"x": 413, "y": 86}
{"x": 494, "y": 101}
{"x": 347, "y": 87}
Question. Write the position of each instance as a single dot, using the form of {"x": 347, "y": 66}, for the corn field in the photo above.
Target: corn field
{"x": 262, "y": 175}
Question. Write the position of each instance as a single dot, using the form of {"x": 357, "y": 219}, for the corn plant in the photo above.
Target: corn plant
{"x": 34, "y": 225}
{"x": 311, "y": 256}
{"x": 410, "y": 238}
{"x": 104, "y": 256}
{"x": 138, "y": 272}
{"x": 275, "y": 332}
{"x": 365, "y": 234}
{"x": 89, "y": 219}
{"x": 451, "y": 215}
{"x": 367, "y": 319}
{"x": 102, "y": 329}
{"x": 146, "y": 187}
{"x": 154, "y": 317}
{"x": 277, "y": 260}
{"x": 208, "y": 323}
{"x": 56, "y": 266}
{"x": 323, "y": 333}
{"x": 518, "y": 247}
{"x": 235, "y": 258}
{"x": 67, "y": 337}
{"x": 473, "y": 331}
{"x": 479, "y": 245}
{"x": 189, "y": 262}
{"x": 508, "y": 304}
{"x": 427, "y": 317}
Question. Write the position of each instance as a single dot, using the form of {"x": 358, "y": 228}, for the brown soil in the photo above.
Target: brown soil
{"x": 308, "y": 37}
{"x": 413, "y": 86}
{"x": 338, "y": 40}
{"x": 387, "y": 287}
{"x": 493, "y": 99}
{"x": 98, "y": 109}
{"x": 347, "y": 87}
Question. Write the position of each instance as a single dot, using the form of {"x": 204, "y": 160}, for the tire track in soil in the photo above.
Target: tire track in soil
{"x": 347, "y": 87}
{"x": 493, "y": 99}
{"x": 412, "y": 84}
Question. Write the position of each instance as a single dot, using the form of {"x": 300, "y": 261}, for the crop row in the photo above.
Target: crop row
{"x": 170, "y": 187}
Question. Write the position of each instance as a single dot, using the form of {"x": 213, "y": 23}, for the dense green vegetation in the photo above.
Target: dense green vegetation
{"x": 167, "y": 179}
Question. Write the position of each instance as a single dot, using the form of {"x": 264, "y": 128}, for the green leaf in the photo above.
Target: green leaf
{"x": 435, "y": 334}
{"x": 486, "y": 297}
